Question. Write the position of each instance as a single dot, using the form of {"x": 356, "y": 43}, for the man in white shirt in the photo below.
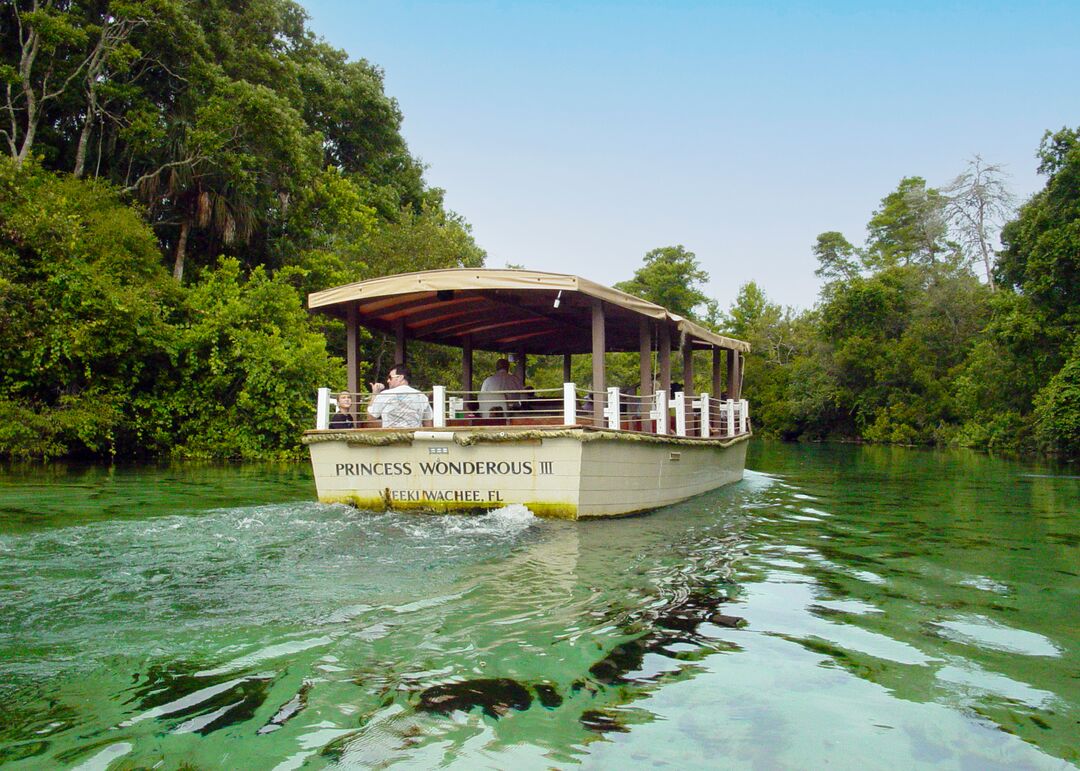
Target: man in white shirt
{"x": 399, "y": 405}
{"x": 490, "y": 398}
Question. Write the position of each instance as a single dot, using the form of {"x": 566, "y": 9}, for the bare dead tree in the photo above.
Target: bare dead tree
{"x": 978, "y": 203}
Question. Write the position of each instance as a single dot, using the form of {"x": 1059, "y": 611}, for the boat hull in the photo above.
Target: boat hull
{"x": 568, "y": 473}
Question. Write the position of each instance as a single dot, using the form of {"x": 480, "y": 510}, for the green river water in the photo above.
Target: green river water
{"x": 899, "y": 608}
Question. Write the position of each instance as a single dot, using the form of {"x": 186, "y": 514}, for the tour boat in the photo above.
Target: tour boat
{"x": 572, "y": 452}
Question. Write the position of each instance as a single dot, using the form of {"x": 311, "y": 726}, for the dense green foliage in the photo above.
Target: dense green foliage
{"x": 907, "y": 346}
{"x": 84, "y": 314}
{"x": 105, "y": 354}
{"x": 224, "y": 144}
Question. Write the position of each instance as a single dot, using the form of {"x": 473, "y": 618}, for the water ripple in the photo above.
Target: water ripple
{"x": 830, "y": 612}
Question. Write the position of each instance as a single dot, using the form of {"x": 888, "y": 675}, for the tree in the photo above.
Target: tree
{"x": 84, "y": 304}
{"x": 248, "y": 361}
{"x": 241, "y": 135}
{"x": 1057, "y": 410}
{"x": 977, "y": 203}
{"x": 238, "y": 162}
{"x": 909, "y": 227}
{"x": 1040, "y": 328}
{"x": 837, "y": 258}
{"x": 110, "y": 61}
{"x": 768, "y": 328}
{"x": 48, "y": 39}
{"x": 777, "y": 337}
{"x": 671, "y": 277}
{"x": 424, "y": 240}
{"x": 1041, "y": 257}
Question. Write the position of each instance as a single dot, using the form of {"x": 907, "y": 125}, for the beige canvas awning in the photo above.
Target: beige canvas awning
{"x": 508, "y": 310}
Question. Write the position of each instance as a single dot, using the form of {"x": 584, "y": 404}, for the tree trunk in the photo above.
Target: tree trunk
{"x": 181, "y": 248}
{"x": 985, "y": 249}
{"x": 84, "y": 140}
{"x": 28, "y": 141}
{"x": 31, "y": 128}
{"x": 95, "y": 70}
{"x": 26, "y": 66}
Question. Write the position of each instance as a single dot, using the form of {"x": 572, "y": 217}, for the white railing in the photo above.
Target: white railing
{"x": 704, "y": 416}
{"x": 547, "y": 405}
{"x": 322, "y": 410}
{"x": 438, "y": 406}
{"x": 569, "y": 404}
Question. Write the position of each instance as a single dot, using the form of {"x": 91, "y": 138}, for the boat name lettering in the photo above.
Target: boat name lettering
{"x": 437, "y": 468}
{"x": 476, "y": 467}
{"x": 464, "y": 496}
{"x": 373, "y": 469}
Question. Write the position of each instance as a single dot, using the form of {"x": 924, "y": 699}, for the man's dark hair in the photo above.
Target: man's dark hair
{"x": 502, "y": 364}
{"x": 402, "y": 369}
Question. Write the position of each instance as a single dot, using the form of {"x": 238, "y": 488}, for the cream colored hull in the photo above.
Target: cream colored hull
{"x": 571, "y": 473}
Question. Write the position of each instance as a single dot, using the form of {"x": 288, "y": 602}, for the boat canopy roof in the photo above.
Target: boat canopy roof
{"x": 508, "y": 310}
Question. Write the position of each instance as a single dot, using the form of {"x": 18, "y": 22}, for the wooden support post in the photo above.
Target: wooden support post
{"x": 566, "y": 377}
{"x": 664, "y": 355}
{"x": 717, "y": 387}
{"x": 688, "y": 368}
{"x": 352, "y": 349}
{"x": 519, "y": 367}
{"x": 717, "y": 373}
{"x": 645, "y": 388}
{"x": 466, "y": 364}
{"x": 734, "y": 376}
{"x": 688, "y": 383}
{"x": 599, "y": 386}
{"x": 645, "y": 353}
{"x": 399, "y": 343}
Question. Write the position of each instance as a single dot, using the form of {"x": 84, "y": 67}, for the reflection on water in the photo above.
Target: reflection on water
{"x": 846, "y": 606}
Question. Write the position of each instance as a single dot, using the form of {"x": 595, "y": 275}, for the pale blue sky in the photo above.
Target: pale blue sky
{"x": 575, "y": 137}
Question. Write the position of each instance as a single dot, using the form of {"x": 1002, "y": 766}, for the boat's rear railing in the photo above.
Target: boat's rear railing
{"x": 702, "y": 416}
{"x": 528, "y": 406}
{"x": 683, "y": 415}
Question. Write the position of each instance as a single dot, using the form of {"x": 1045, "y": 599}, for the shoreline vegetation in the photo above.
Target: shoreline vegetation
{"x": 178, "y": 176}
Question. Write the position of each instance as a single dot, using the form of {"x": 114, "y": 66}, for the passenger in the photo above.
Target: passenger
{"x": 400, "y": 405}
{"x": 502, "y": 381}
{"x": 528, "y": 399}
{"x": 342, "y": 418}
